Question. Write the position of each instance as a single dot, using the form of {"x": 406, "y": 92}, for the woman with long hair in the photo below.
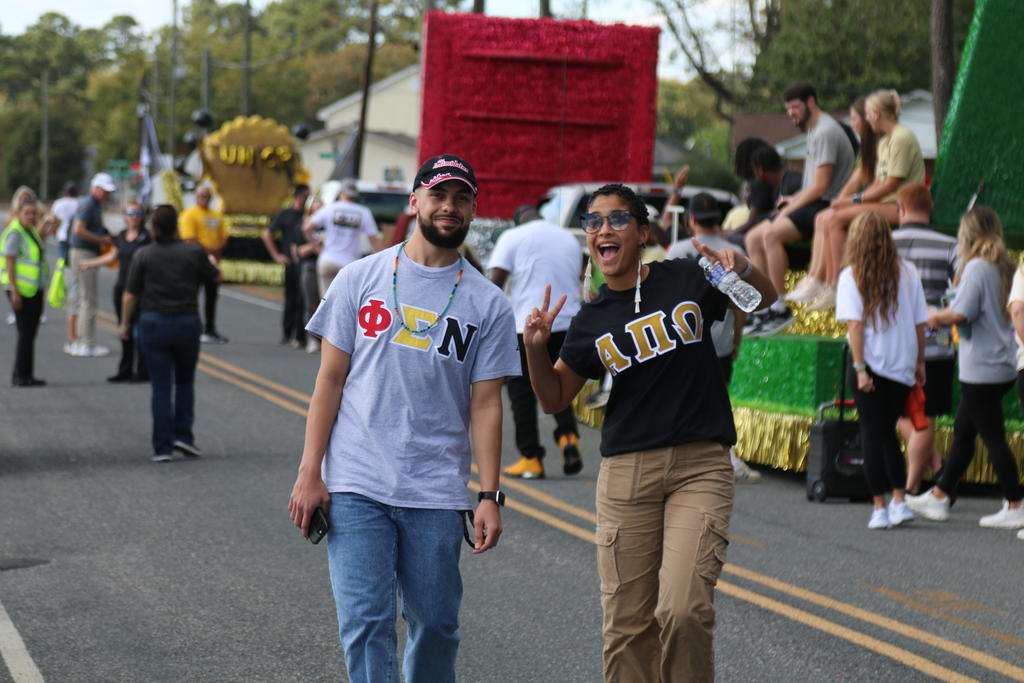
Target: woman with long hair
{"x": 881, "y": 299}
{"x": 899, "y": 162}
{"x": 164, "y": 280}
{"x": 987, "y": 369}
{"x": 809, "y": 288}
{"x": 665, "y": 489}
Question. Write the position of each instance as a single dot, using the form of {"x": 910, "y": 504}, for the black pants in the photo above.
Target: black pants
{"x": 293, "y": 321}
{"x": 210, "y": 290}
{"x": 132, "y": 363}
{"x": 524, "y": 405}
{"x": 27, "y": 321}
{"x": 884, "y": 466}
{"x": 981, "y": 413}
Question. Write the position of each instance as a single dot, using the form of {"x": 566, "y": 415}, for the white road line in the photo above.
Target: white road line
{"x": 12, "y": 649}
{"x": 249, "y": 299}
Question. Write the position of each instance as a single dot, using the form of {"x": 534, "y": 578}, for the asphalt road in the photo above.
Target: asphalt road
{"x": 113, "y": 568}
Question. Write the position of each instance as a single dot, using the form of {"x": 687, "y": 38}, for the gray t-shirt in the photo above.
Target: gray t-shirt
{"x": 721, "y": 330}
{"x": 402, "y": 432}
{"x": 827, "y": 144}
{"x": 90, "y": 212}
{"x": 987, "y": 351}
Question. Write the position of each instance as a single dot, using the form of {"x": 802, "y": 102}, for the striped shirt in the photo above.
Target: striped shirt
{"x": 934, "y": 255}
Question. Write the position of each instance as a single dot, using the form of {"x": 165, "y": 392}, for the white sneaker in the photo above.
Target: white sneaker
{"x": 10, "y": 319}
{"x": 312, "y": 346}
{"x": 79, "y": 350}
{"x": 1007, "y": 518}
{"x": 1020, "y": 534}
{"x": 880, "y": 519}
{"x": 42, "y": 319}
{"x": 161, "y": 457}
{"x": 899, "y": 513}
{"x": 69, "y": 347}
{"x": 929, "y": 507}
{"x": 96, "y": 351}
{"x": 825, "y": 300}
{"x": 806, "y": 290}
{"x": 742, "y": 471}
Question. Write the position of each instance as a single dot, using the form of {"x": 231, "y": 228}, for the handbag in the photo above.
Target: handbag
{"x": 56, "y": 293}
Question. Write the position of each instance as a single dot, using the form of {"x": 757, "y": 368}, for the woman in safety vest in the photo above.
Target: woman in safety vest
{"x": 24, "y": 276}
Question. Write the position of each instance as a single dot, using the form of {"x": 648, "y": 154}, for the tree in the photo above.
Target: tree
{"x": 942, "y": 60}
{"x": 339, "y": 74}
{"x": 21, "y": 162}
{"x": 684, "y": 108}
{"x": 757, "y": 26}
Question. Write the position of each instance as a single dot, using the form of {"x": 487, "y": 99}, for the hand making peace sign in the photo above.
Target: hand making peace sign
{"x": 537, "y": 329}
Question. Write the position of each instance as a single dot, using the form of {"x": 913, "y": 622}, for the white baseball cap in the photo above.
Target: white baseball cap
{"x": 103, "y": 181}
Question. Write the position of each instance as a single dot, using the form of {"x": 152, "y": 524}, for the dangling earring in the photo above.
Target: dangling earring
{"x": 586, "y": 279}
{"x": 636, "y": 300}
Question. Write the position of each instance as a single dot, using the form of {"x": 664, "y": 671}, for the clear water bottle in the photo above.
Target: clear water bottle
{"x": 742, "y": 293}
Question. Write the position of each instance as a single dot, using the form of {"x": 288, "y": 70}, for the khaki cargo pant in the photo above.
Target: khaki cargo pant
{"x": 662, "y": 527}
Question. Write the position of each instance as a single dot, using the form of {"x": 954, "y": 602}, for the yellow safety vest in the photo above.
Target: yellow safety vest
{"x": 30, "y": 266}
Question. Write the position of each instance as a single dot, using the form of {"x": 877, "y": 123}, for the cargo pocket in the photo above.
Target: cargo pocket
{"x": 711, "y": 551}
{"x": 607, "y": 563}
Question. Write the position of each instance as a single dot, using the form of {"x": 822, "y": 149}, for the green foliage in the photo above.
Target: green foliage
{"x": 684, "y": 108}
{"x": 848, "y": 48}
{"x": 21, "y": 162}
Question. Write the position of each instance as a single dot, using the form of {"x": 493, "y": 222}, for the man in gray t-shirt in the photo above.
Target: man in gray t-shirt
{"x": 416, "y": 346}
{"x": 830, "y": 160}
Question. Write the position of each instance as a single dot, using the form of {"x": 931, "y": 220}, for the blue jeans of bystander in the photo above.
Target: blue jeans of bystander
{"x": 170, "y": 345}
{"x": 377, "y": 552}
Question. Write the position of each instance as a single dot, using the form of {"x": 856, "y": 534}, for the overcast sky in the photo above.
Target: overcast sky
{"x": 16, "y": 15}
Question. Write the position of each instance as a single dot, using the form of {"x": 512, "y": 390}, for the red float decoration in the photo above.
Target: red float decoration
{"x": 533, "y": 103}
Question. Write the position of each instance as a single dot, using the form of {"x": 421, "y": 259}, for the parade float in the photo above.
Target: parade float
{"x": 536, "y": 103}
{"x": 253, "y": 166}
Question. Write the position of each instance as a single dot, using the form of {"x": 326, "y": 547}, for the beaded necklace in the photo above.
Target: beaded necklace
{"x": 394, "y": 294}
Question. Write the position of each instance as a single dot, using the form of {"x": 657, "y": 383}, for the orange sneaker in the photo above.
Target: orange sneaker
{"x": 526, "y": 468}
{"x": 570, "y": 447}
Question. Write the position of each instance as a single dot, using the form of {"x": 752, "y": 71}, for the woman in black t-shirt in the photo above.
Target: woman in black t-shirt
{"x": 665, "y": 490}
{"x": 164, "y": 282}
{"x": 132, "y": 367}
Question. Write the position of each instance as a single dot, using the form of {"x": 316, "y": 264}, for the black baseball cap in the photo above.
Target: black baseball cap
{"x": 444, "y": 167}
{"x": 703, "y": 206}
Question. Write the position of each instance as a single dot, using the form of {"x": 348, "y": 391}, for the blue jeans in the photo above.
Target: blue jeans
{"x": 170, "y": 345}
{"x": 378, "y": 551}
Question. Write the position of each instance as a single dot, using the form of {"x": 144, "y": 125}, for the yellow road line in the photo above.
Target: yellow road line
{"x": 548, "y": 499}
{"x": 242, "y": 372}
{"x": 544, "y": 517}
{"x": 276, "y": 400}
{"x": 901, "y": 655}
{"x": 970, "y": 654}
{"x": 928, "y": 609}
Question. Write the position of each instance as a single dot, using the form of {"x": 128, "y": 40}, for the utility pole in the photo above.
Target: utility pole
{"x": 173, "y": 76}
{"x": 367, "y": 76}
{"x": 44, "y": 144}
{"x": 545, "y": 9}
{"x": 247, "y": 71}
{"x": 204, "y": 86}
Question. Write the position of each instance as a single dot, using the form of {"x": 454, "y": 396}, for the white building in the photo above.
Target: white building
{"x": 393, "y": 128}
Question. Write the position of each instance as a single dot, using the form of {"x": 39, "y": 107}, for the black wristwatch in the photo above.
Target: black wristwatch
{"x": 857, "y": 198}
{"x": 497, "y": 496}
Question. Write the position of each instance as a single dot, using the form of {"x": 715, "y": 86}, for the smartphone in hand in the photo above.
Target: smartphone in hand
{"x": 318, "y": 526}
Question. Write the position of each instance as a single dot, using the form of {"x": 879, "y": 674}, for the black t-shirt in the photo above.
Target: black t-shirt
{"x": 763, "y": 196}
{"x": 668, "y": 389}
{"x": 166, "y": 277}
{"x": 288, "y": 222}
{"x": 126, "y": 250}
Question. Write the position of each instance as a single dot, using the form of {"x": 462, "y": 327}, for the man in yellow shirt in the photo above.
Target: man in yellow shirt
{"x": 205, "y": 227}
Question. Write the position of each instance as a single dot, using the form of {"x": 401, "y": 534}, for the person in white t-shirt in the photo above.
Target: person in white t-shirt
{"x": 528, "y": 258}
{"x": 342, "y": 222}
{"x": 881, "y": 299}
